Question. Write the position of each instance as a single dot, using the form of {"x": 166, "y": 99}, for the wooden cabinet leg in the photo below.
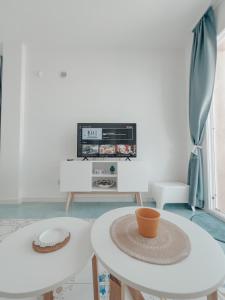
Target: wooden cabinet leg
{"x": 95, "y": 277}
{"x": 213, "y": 296}
{"x": 139, "y": 199}
{"x": 69, "y": 200}
{"x": 48, "y": 296}
{"x": 136, "y": 197}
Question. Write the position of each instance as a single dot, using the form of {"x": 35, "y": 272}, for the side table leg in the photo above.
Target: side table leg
{"x": 48, "y": 296}
{"x": 115, "y": 289}
{"x": 69, "y": 199}
{"x": 95, "y": 277}
{"x": 213, "y": 296}
{"x": 135, "y": 294}
{"x": 139, "y": 199}
{"x": 119, "y": 291}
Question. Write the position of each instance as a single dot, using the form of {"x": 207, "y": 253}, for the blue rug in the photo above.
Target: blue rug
{"x": 211, "y": 224}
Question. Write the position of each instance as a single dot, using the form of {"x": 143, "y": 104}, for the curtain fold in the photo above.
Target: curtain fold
{"x": 202, "y": 76}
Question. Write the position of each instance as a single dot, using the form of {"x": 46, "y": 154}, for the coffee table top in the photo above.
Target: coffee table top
{"x": 200, "y": 274}
{"x": 25, "y": 273}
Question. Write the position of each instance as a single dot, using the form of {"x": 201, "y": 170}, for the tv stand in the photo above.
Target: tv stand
{"x": 128, "y": 158}
{"x": 71, "y": 196}
{"x": 85, "y": 158}
{"x": 82, "y": 177}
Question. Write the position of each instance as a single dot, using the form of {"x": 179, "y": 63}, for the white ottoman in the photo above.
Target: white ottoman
{"x": 169, "y": 192}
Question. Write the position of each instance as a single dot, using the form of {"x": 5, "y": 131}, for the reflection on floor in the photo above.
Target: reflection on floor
{"x": 80, "y": 210}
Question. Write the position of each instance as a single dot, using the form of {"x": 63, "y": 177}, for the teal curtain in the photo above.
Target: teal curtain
{"x": 202, "y": 76}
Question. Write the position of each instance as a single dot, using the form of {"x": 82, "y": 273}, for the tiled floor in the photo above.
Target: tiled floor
{"x": 81, "y": 210}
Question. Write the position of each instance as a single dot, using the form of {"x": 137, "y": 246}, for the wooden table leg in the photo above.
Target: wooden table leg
{"x": 69, "y": 200}
{"x": 119, "y": 291}
{"x": 213, "y": 296}
{"x": 95, "y": 277}
{"x": 115, "y": 289}
{"x": 136, "y": 295}
{"x": 48, "y": 296}
{"x": 139, "y": 199}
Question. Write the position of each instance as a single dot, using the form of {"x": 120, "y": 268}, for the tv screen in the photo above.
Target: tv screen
{"x": 106, "y": 140}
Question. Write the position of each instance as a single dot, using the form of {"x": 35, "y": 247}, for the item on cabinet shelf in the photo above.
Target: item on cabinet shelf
{"x": 51, "y": 240}
{"x": 104, "y": 183}
{"x": 148, "y": 222}
{"x": 112, "y": 169}
{"x": 99, "y": 171}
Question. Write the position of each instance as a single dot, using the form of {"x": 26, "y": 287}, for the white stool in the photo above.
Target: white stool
{"x": 169, "y": 192}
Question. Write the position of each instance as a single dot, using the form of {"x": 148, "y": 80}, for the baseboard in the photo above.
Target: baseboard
{"x": 10, "y": 201}
{"x": 43, "y": 200}
{"x": 216, "y": 214}
{"x": 80, "y": 198}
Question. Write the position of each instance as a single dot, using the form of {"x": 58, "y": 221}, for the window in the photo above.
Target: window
{"x": 216, "y": 135}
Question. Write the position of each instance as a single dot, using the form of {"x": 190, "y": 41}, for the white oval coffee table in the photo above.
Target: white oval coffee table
{"x": 200, "y": 274}
{"x": 25, "y": 273}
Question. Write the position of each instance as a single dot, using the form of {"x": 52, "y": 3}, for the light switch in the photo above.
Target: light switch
{"x": 63, "y": 74}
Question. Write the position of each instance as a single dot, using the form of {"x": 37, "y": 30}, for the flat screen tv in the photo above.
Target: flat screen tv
{"x": 106, "y": 140}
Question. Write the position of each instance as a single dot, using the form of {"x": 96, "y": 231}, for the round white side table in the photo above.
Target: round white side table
{"x": 200, "y": 274}
{"x": 26, "y": 273}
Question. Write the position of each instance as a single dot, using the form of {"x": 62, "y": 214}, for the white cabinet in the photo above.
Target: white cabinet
{"x": 81, "y": 176}
{"x": 103, "y": 177}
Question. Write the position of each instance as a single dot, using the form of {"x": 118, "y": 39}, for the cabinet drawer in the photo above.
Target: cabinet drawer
{"x": 75, "y": 176}
{"x": 132, "y": 177}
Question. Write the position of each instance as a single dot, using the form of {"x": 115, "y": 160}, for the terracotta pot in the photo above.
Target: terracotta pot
{"x": 148, "y": 221}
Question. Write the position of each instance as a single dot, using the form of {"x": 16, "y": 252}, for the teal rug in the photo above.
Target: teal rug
{"x": 211, "y": 224}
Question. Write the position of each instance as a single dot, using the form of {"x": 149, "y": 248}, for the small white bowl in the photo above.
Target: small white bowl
{"x": 51, "y": 237}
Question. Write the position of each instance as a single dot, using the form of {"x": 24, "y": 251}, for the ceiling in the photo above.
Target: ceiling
{"x": 101, "y": 23}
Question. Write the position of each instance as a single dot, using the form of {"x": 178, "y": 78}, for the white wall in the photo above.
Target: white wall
{"x": 107, "y": 86}
{"x": 220, "y": 16}
{"x": 11, "y": 123}
{"x": 146, "y": 87}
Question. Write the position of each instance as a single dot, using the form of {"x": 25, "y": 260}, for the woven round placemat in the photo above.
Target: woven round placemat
{"x": 169, "y": 247}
